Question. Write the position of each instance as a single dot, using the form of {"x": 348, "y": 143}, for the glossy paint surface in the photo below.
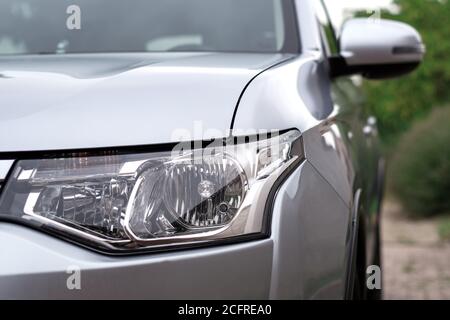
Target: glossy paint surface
{"x": 107, "y": 100}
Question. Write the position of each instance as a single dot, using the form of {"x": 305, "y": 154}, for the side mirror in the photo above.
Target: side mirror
{"x": 377, "y": 49}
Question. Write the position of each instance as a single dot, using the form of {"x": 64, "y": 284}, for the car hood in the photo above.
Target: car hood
{"x": 80, "y": 101}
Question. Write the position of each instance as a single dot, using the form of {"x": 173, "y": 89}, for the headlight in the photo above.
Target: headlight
{"x": 122, "y": 202}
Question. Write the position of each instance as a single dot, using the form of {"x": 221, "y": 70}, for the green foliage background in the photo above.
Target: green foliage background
{"x": 398, "y": 103}
{"x": 420, "y": 168}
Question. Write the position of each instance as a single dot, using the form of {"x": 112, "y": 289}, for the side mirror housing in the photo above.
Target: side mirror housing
{"x": 377, "y": 49}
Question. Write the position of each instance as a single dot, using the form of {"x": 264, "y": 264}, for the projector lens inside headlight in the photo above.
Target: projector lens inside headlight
{"x": 186, "y": 195}
{"x": 141, "y": 201}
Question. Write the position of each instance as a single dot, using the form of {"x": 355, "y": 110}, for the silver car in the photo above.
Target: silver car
{"x": 200, "y": 149}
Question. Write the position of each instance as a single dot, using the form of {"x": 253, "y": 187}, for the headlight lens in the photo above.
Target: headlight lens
{"x": 128, "y": 202}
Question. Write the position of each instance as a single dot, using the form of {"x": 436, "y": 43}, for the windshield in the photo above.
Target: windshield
{"x": 90, "y": 26}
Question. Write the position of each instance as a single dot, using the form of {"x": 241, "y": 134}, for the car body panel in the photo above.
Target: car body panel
{"x": 38, "y": 267}
{"x": 121, "y": 100}
{"x": 284, "y": 92}
{"x": 310, "y": 238}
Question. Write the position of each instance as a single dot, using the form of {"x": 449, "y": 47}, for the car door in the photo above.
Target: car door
{"x": 360, "y": 136}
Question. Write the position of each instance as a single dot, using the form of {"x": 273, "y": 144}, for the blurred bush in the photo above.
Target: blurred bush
{"x": 420, "y": 168}
{"x": 398, "y": 103}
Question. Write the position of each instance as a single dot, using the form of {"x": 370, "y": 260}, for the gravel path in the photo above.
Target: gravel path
{"x": 416, "y": 264}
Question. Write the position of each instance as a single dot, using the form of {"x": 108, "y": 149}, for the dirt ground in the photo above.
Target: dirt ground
{"x": 416, "y": 264}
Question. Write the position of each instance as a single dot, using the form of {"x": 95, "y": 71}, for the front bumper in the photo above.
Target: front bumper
{"x": 36, "y": 266}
